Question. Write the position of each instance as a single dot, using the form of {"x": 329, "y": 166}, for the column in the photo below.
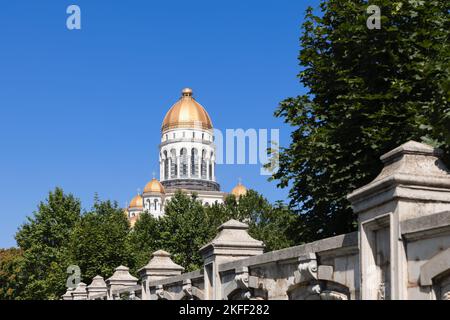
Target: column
{"x": 178, "y": 167}
{"x": 159, "y": 267}
{"x": 232, "y": 243}
{"x": 207, "y": 169}
{"x": 189, "y": 174}
{"x": 170, "y": 168}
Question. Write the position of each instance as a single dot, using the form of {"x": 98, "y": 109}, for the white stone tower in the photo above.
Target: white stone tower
{"x": 187, "y": 150}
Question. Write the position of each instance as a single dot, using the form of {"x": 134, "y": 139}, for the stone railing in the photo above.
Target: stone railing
{"x": 401, "y": 250}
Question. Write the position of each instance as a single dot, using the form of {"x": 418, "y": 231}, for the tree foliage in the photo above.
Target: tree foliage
{"x": 59, "y": 235}
{"x": 44, "y": 240}
{"x": 10, "y": 267}
{"x": 98, "y": 241}
{"x": 368, "y": 92}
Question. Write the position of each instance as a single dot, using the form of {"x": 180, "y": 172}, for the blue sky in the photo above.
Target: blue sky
{"x": 83, "y": 109}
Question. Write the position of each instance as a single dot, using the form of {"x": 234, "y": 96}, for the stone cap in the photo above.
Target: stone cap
{"x": 411, "y": 147}
{"x": 161, "y": 262}
{"x": 233, "y": 235}
{"x": 97, "y": 283}
{"x": 413, "y": 164}
{"x": 68, "y": 294}
{"x": 80, "y": 289}
{"x": 122, "y": 273}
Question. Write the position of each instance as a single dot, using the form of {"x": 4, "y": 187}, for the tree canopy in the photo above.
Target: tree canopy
{"x": 59, "y": 235}
{"x": 368, "y": 92}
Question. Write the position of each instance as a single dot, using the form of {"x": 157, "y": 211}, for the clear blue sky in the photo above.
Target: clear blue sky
{"x": 83, "y": 109}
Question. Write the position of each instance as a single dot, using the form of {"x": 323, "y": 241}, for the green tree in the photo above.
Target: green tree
{"x": 10, "y": 271}
{"x": 368, "y": 92}
{"x": 272, "y": 224}
{"x": 44, "y": 241}
{"x": 185, "y": 229}
{"x": 98, "y": 243}
{"x": 144, "y": 239}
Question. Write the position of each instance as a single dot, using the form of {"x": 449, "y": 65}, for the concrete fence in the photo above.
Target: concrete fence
{"x": 400, "y": 251}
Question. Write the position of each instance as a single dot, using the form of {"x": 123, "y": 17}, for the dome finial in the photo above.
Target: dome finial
{"x": 187, "y": 92}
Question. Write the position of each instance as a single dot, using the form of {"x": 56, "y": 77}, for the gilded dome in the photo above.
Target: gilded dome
{"x": 186, "y": 113}
{"x": 137, "y": 202}
{"x": 154, "y": 186}
{"x": 239, "y": 191}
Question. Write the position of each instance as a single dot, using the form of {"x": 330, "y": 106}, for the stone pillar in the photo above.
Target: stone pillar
{"x": 199, "y": 165}
{"x": 80, "y": 293}
{"x": 97, "y": 286}
{"x": 159, "y": 267}
{"x": 178, "y": 167}
{"x": 232, "y": 243}
{"x": 120, "y": 279}
{"x": 68, "y": 294}
{"x": 213, "y": 173}
{"x": 207, "y": 169}
{"x": 189, "y": 171}
{"x": 413, "y": 183}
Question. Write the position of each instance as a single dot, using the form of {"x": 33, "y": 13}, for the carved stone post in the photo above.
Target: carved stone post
{"x": 232, "y": 243}
{"x": 68, "y": 294}
{"x": 120, "y": 279}
{"x": 413, "y": 183}
{"x": 97, "y": 286}
{"x": 80, "y": 293}
{"x": 159, "y": 267}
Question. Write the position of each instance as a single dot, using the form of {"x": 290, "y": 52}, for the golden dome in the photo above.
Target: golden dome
{"x": 239, "y": 191}
{"x": 154, "y": 186}
{"x": 186, "y": 113}
{"x": 137, "y": 202}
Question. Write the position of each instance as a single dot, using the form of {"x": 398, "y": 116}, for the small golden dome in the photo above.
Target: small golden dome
{"x": 239, "y": 191}
{"x": 137, "y": 202}
{"x": 186, "y": 113}
{"x": 154, "y": 186}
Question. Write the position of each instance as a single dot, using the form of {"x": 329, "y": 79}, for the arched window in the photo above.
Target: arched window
{"x": 203, "y": 164}
{"x": 173, "y": 167}
{"x": 166, "y": 166}
{"x": 194, "y": 162}
{"x": 156, "y": 204}
{"x": 183, "y": 163}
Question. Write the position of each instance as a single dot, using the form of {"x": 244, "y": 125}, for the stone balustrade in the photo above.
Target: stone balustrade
{"x": 400, "y": 251}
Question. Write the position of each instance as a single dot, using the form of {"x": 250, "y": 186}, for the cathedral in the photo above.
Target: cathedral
{"x": 187, "y": 161}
